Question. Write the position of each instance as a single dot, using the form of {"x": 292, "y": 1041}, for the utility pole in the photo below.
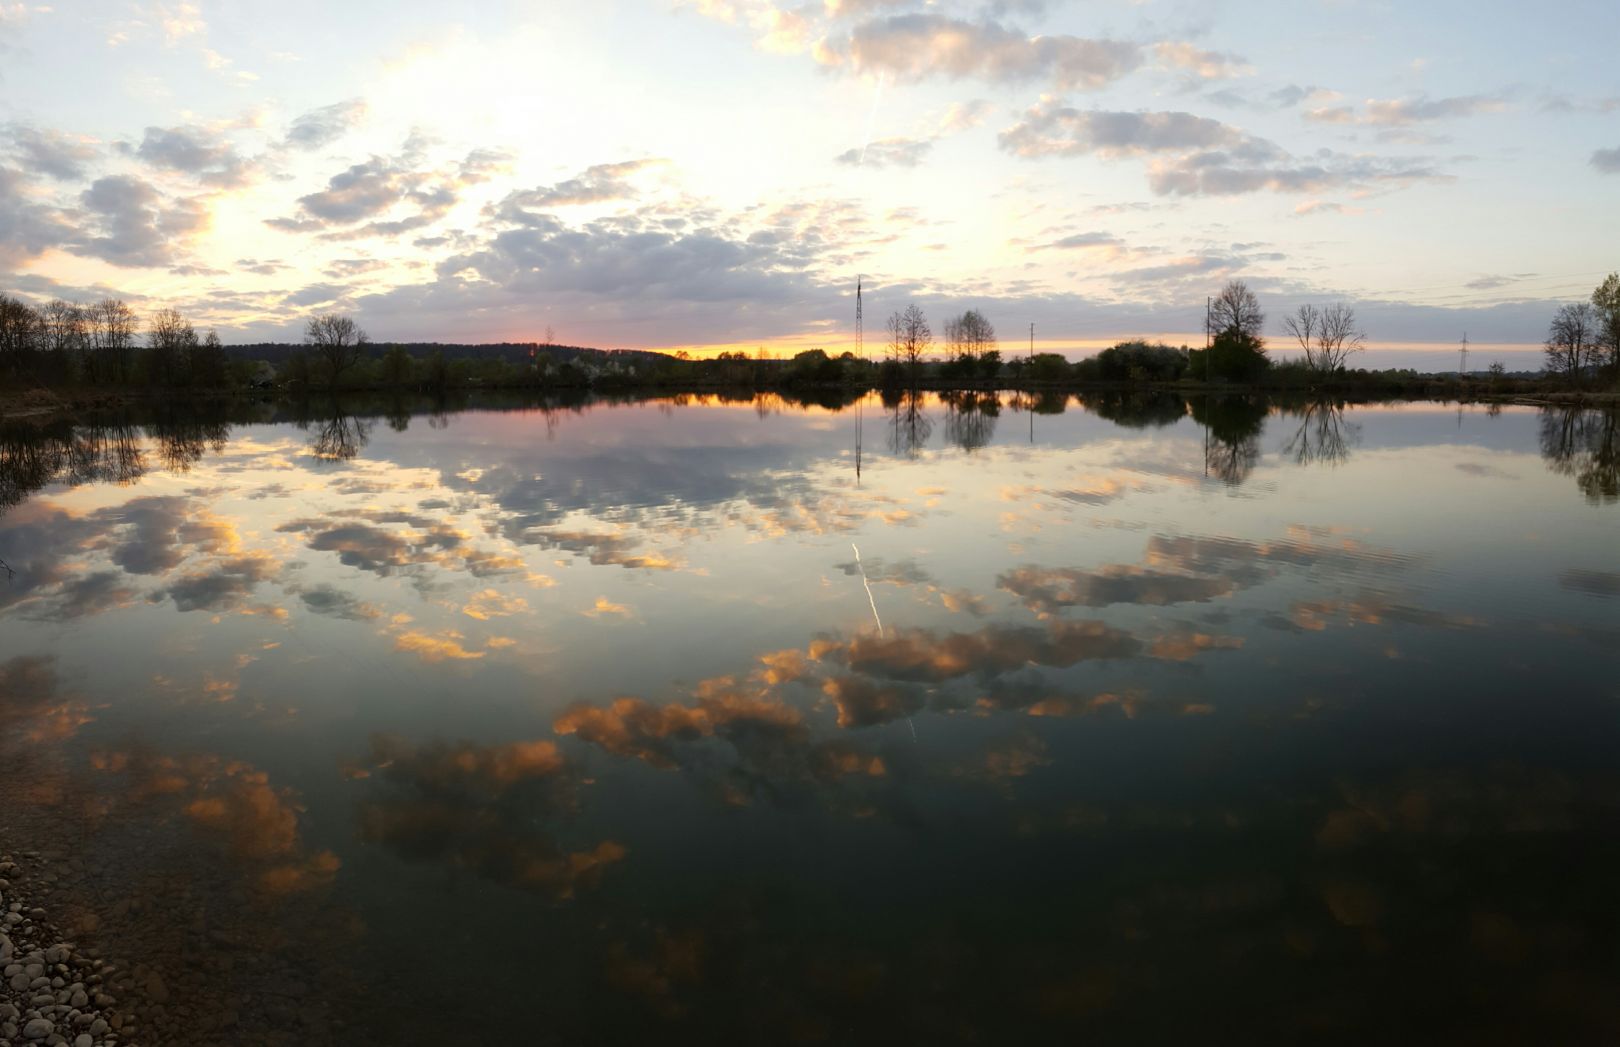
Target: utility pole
{"x": 1209, "y": 307}
{"x": 860, "y": 324}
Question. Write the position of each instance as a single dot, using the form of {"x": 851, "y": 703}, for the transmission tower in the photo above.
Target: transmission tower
{"x": 1462, "y": 362}
{"x": 860, "y": 324}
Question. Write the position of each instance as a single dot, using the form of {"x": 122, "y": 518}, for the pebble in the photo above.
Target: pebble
{"x": 38, "y": 1029}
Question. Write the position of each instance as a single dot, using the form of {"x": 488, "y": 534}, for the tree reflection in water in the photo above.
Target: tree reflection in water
{"x": 909, "y": 425}
{"x": 340, "y": 438}
{"x": 1324, "y": 437}
{"x": 1233, "y": 425}
{"x": 970, "y": 418}
{"x": 1584, "y": 443}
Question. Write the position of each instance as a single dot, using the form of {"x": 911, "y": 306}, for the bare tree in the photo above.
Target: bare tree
{"x": 1572, "y": 341}
{"x": 19, "y": 335}
{"x": 909, "y": 337}
{"x": 337, "y": 340}
{"x": 111, "y": 326}
{"x": 969, "y": 334}
{"x": 1328, "y": 336}
{"x": 66, "y": 329}
{"x": 171, "y": 339}
{"x": 1236, "y": 309}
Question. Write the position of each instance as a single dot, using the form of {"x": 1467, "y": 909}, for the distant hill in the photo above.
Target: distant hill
{"x": 277, "y": 353}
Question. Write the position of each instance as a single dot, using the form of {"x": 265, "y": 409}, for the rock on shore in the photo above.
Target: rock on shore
{"x": 52, "y": 993}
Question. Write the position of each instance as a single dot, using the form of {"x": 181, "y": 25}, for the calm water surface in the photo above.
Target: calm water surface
{"x": 970, "y": 720}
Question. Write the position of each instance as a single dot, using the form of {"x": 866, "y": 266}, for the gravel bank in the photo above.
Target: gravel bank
{"x": 52, "y": 991}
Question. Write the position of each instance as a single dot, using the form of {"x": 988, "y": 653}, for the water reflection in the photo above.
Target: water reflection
{"x": 909, "y": 425}
{"x": 1159, "y": 737}
{"x": 1233, "y": 426}
{"x": 1323, "y": 436}
{"x": 1584, "y": 443}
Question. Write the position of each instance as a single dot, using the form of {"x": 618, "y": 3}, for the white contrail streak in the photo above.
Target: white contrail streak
{"x": 871, "y": 118}
{"x": 873, "y": 601}
{"x": 869, "y": 597}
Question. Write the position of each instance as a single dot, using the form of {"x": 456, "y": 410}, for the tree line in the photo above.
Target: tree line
{"x": 105, "y": 343}
{"x": 1583, "y": 340}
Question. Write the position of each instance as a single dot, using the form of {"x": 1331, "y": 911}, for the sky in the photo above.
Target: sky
{"x": 711, "y": 174}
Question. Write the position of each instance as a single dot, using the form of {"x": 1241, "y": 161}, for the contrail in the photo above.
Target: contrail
{"x": 869, "y": 597}
{"x": 871, "y": 118}
{"x": 873, "y": 601}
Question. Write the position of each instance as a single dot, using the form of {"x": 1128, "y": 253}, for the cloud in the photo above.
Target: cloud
{"x": 1607, "y": 160}
{"x": 1399, "y": 112}
{"x": 194, "y": 151}
{"x": 888, "y": 152}
{"x": 1049, "y": 590}
{"x": 964, "y": 116}
{"x": 924, "y": 656}
{"x": 914, "y": 47}
{"x": 1205, "y": 65}
{"x": 28, "y": 228}
{"x": 335, "y": 603}
{"x": 128, "y": 223}
{"x": 222, "y": 586}
{"x": 1093, "y": 241}
{"x": 53, "y": 153}
{"x": 380, "y": 186}
{"x": 600, "y": 183}
{"x": 1051, "y": 129}
{"x": 321, "y": 127}
{"x": 1196, "y": 156}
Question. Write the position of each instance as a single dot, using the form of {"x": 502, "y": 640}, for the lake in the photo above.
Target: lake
{"x": 977, "y": 718}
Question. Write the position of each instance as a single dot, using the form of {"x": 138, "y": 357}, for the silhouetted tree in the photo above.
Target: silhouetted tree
{"x": 338, "y": 343}
{"x": 170, "y": 340}
{"x": 971, "y": 340}
{"x": 1236, "y": 309}
{"x": 20, "y": 330}
{"x": 1572, "y": 341}
{"x": 1606, "y": 303}
{"x": 909, "y": 338}
{"x": 206, "y": 364}
{"x": 1327, "y": 336}
{"x": 111, "y": 328}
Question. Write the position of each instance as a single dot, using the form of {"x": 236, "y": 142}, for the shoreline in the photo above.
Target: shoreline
{"x": 53, "y": 990}
{"x": 44, "y": 404}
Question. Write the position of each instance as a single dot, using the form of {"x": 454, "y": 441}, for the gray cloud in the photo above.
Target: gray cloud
{"x": 890, "y": 152}
{"x": 129, "y": 223}
{"x": 913, "y": 47}
{"x": 194, "y": 151}
{"x": 1607, "y": 160}
{"x": 598, "y": 184}
{"x": 323, "y": 126}
{"x": 1203, "y": 157}
{"x": 377, "y": 188}
{"x": 27, "y": 229}
{"x": 53, "y": 153}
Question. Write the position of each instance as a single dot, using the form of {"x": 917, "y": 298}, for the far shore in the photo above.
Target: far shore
{"x": 42, "y": 403}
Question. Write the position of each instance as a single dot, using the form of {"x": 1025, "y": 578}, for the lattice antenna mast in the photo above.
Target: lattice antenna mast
{"x": 1462, "y": 362}
{"x": 860, "y": 324}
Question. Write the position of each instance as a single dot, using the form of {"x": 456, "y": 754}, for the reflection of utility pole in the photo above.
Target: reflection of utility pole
{"x": 860, "y": 430}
